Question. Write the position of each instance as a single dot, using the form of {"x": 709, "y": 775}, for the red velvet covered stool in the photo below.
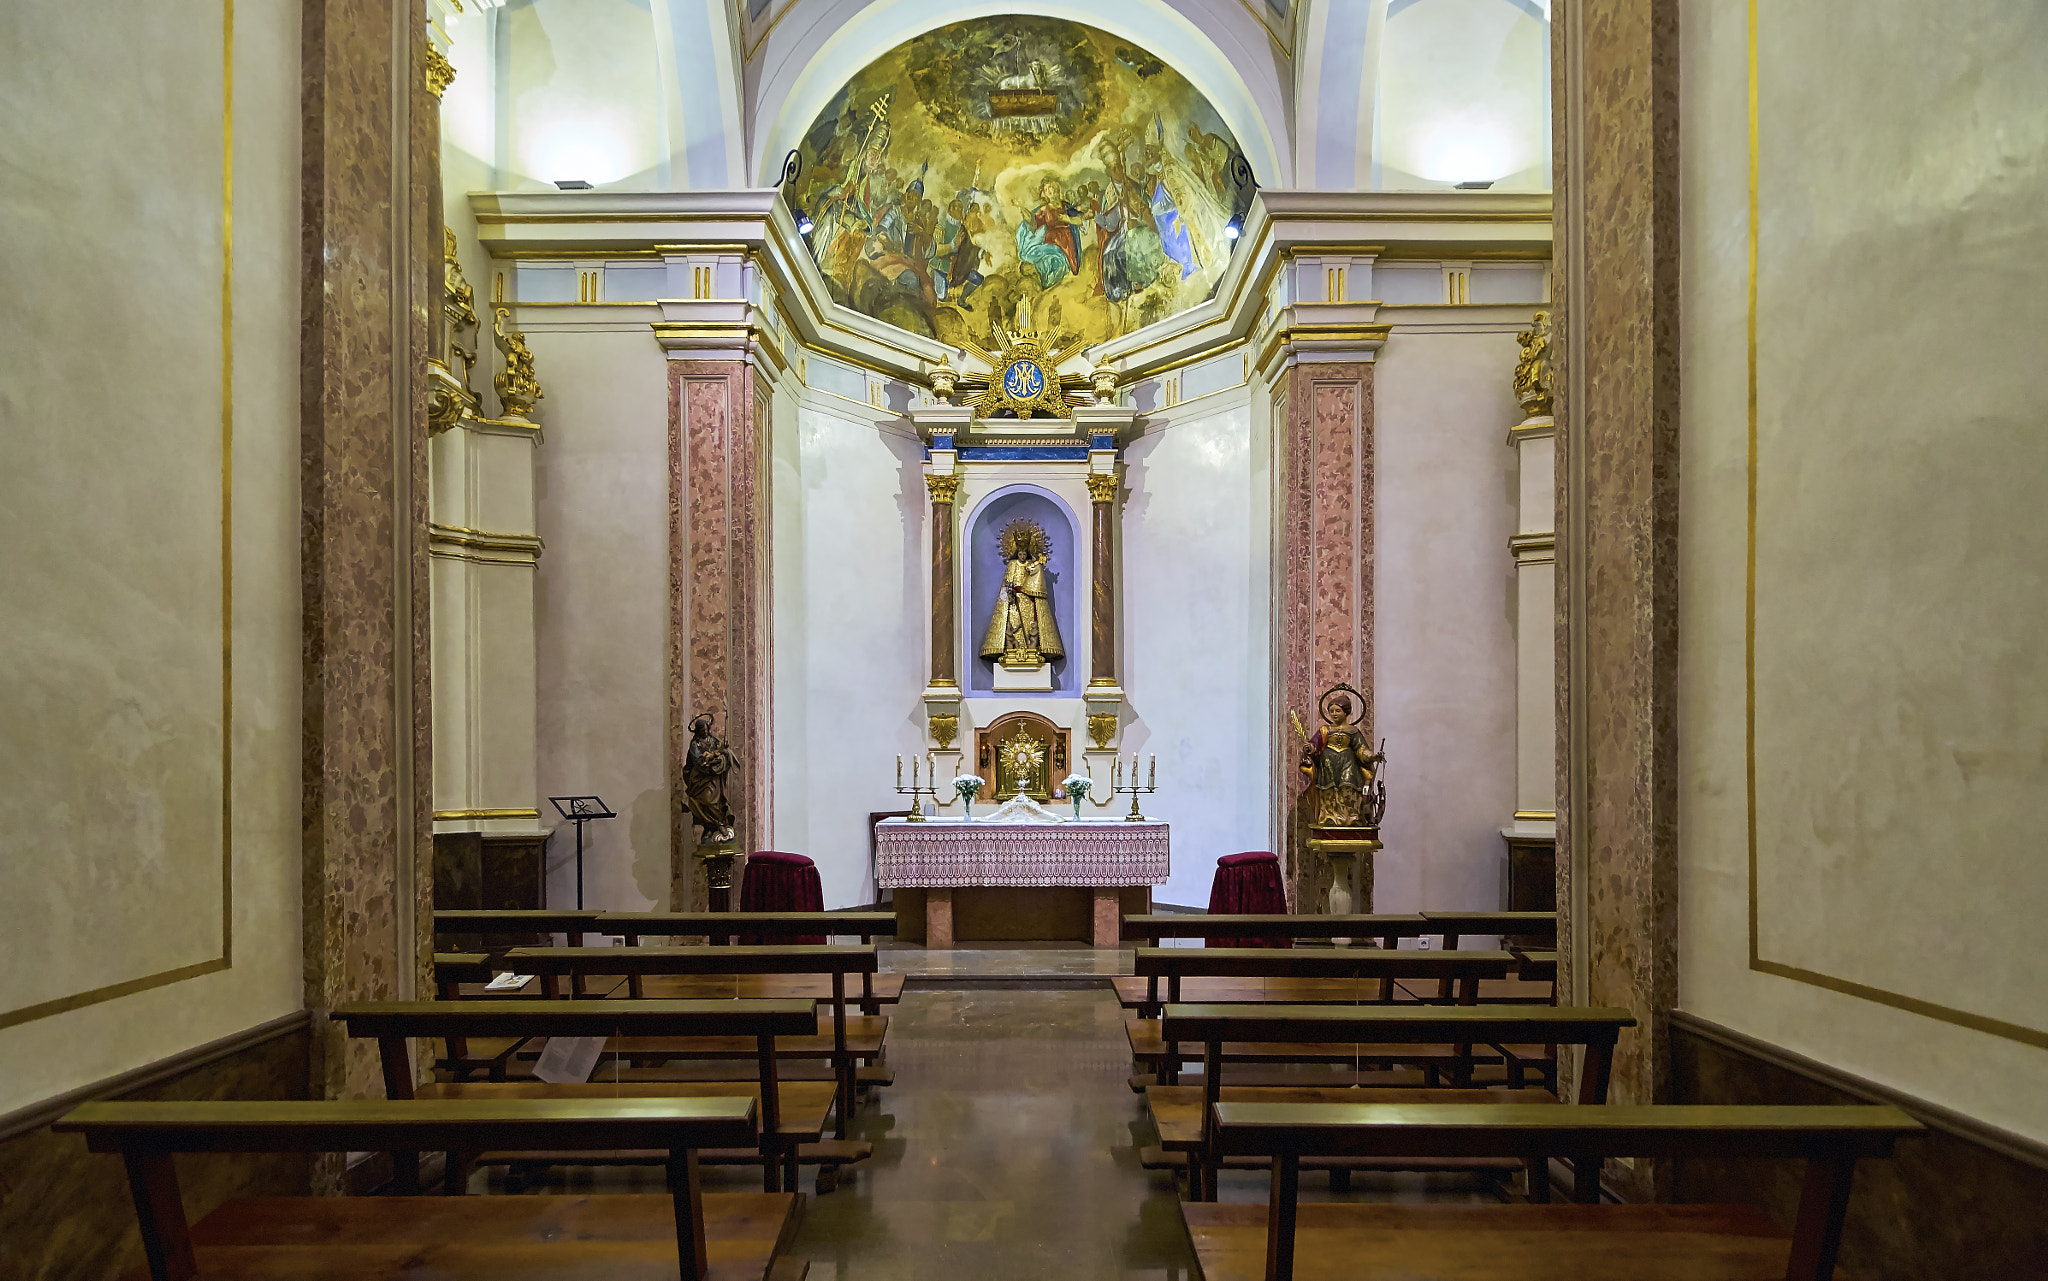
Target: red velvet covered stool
{"x": 1248, "y": 884}
{"x": 778, "y": 882}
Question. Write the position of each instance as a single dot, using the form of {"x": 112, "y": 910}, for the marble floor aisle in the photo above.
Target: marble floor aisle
{"x": 1004, "y": 1150}
{"x": 1007, "y": 1151}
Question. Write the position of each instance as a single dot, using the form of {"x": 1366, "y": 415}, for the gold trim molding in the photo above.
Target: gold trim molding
{"x": 456, "y": 815}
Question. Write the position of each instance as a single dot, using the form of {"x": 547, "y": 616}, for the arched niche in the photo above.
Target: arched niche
{"x": 984, "y": 566}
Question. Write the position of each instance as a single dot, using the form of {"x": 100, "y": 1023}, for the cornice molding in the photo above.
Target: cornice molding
{"x": 1282, "y": 225}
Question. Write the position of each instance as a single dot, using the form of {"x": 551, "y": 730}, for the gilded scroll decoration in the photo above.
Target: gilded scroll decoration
{"x": 518, "y": 386}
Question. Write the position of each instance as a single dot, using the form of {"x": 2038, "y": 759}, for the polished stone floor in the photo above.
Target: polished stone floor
{"x": 1007, "y": 1149}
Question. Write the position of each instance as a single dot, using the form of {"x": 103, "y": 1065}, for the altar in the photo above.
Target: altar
{"x": 957, "y": 880}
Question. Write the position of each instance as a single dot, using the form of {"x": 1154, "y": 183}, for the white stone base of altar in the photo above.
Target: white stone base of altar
{"x": 955, "y": 881}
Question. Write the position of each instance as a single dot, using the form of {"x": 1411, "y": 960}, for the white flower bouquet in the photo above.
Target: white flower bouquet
{"x": 1078, "y": 786}
{"x": 967, "y": 787}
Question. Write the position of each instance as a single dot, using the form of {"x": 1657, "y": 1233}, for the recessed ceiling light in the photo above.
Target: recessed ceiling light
{"x": 1475, "y": 186}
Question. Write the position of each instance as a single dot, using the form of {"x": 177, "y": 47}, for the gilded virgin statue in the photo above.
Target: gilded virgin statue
{"x": 1022, "y": 633}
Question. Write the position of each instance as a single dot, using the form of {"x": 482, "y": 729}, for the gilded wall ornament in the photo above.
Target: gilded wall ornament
{"x": 943, "y": 378}
{"x": 1533, "y": 383}
{"x": 1023, "y": 377}
{"x": 440, "y": 72}
{"x": 518, "y": 387}
{"x": 943, "y": 730}
{"x": 1102, "y": 727}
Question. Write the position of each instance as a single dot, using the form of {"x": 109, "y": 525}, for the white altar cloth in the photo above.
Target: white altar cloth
{"x": 942, "y": 852}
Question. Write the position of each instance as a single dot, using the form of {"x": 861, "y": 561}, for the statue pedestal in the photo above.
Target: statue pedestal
{"x": 1026, "y": 679}
{"x": 1346, "y": 850}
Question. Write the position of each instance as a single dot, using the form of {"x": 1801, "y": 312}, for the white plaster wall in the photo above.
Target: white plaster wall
{"x": 1897, "y": 847}
{"x": 1463, "y": 89}
{"x": 601, "y": 608}
{"x": 1193, "y": 581}
{"x": 581, "y": 95}
{"x": 111, "y": 639}
{"x": 1443, "y": 610}
{"x": 851, "y": 577}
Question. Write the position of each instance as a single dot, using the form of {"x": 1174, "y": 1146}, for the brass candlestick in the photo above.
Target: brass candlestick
{"x": 915, "y": 790}
{"x": 1136, "y": 789}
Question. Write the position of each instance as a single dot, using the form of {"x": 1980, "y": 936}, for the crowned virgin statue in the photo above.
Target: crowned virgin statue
{"x": 1021, "y": 631}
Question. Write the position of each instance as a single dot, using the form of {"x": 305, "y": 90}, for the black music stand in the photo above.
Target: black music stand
{"x": 580, "y": 810}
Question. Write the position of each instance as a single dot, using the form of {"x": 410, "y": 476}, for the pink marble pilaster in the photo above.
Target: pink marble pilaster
{"x": 718, "y": 595}
{"x": 1323, "y": 419}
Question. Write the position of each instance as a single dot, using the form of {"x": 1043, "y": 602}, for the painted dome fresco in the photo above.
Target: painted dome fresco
{"x": 1025, "y": 172}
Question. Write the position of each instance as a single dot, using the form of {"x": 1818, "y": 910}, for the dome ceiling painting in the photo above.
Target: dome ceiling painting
{"x": 1022, "y": 172}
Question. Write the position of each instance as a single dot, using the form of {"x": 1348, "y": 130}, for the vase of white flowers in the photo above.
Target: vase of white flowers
{"x": 967, "y": 787}
{"x": 1078, "y": 786}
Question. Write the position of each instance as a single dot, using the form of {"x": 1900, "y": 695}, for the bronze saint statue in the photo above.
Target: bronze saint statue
{"x": 1345, "y": 789}
{"x": 1021, "y": 630}
{"x": 705, "y": 766}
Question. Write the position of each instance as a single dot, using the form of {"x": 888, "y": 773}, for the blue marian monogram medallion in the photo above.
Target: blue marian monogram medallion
{"x": 1024, "y": 381}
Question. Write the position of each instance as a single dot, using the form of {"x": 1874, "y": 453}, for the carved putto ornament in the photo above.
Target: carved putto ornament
{"x": 1532, "y": 373}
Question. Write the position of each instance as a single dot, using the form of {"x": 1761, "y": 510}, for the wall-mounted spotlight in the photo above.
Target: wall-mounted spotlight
{"x": 572, "y": 184}
{"x": 1247, "y": 185}
{"x": 792, "y": 166}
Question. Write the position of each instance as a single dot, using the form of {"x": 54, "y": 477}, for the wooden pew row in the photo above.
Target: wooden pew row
{"x": 1149, "y": 1044}
{"x": 1183, "y": 1113}
{"x": 691, "y": 1234}
{"x": 1283, "y": 1239}
{"x": 552, "y": 963}
{"x": 520, "y": 926}
{"x": 1386, "y": 929}
{"x": 792, "y": 1114}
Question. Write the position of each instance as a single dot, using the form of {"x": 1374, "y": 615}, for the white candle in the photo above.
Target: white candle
{"x": 1152, "y": 778}
{"x": 899, "y": 771}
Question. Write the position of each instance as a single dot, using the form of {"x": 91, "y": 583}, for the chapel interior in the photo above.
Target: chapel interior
{"x": 1367, "y": 639}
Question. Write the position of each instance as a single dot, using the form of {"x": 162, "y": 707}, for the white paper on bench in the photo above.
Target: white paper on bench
{"x": 508, "y": 982}
{"x": 568, "y": 1059}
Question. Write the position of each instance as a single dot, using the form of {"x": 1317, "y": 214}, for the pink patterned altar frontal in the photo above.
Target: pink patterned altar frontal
{"x": 947, "y": 852}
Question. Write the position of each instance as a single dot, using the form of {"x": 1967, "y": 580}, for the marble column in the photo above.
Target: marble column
{"x": 720, "y": 658}
{"x": 1615, "y": 82}
{"x": 945, "y": 643}
{"x": 1102, "y": 488}
{"x": 367, "y": 302}
{"x": 1322, "y": 429}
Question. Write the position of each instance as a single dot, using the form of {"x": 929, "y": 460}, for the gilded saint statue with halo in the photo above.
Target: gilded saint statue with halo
{"x": 1022, "y": 634}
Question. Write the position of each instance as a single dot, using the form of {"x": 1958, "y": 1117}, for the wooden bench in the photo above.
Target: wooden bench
{"x": 1183, "y": 1113}
{"x": 791, "y": 1113}
{"x": 1464, "y": 969}
{"x": 876, "y": 990}
{"x": 1174, "y": 964}
{"x": 1283, "y": 1239}
{"x": 834, "y": 962}
{"x": 691, "y": 1234}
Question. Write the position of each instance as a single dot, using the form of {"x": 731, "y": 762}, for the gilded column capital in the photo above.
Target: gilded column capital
{"x": 439, "y": 71}
{"x": 1102, "y": 486}
{"x": 942, "y": 486}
